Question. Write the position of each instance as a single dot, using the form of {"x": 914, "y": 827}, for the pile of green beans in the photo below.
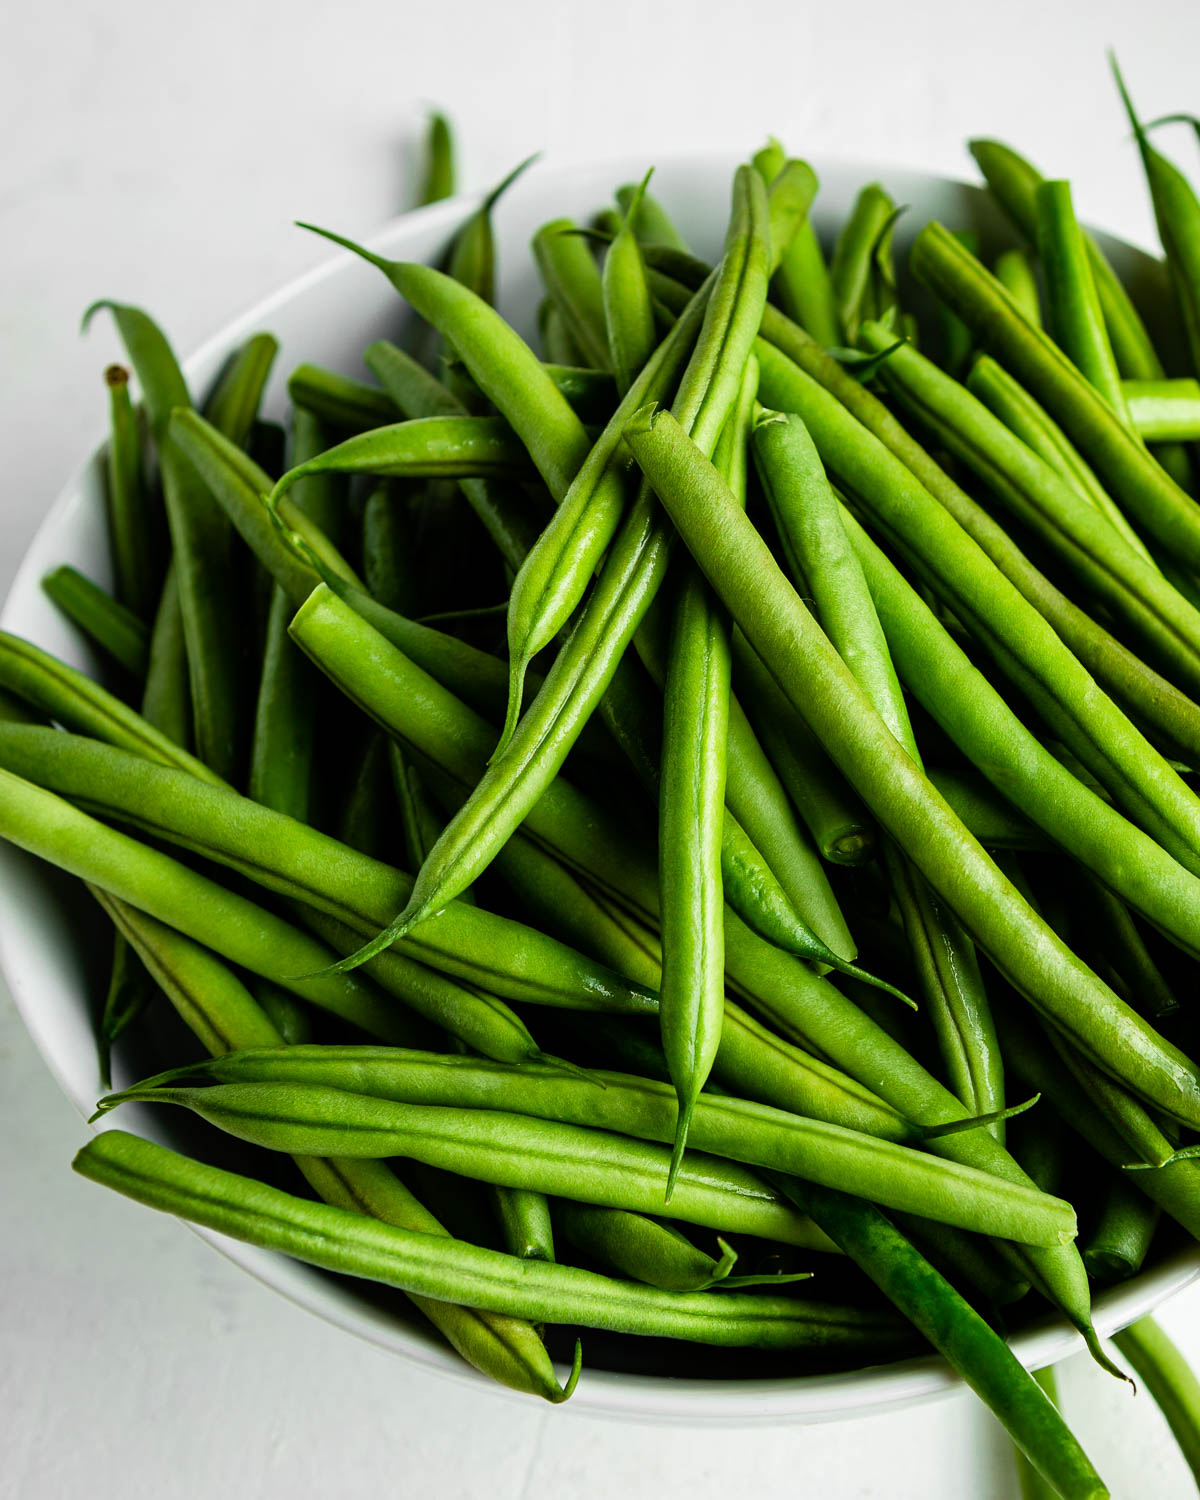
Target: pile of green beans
{"x": 649, "y": 716}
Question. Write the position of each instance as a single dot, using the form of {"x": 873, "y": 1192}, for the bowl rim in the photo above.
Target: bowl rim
{"x": 608, "y": 1393}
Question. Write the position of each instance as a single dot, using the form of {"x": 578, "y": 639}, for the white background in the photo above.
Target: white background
{"x": 158, "y": 153}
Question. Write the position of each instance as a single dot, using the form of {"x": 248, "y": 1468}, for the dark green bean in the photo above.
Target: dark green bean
{"x": 451, "y": 1271}
{"x": 120, "y": 633}
{"x": 1170, "y": 1381}
{"x": 130, "y": 990}
{"x": 131, "y": 519}
{"x": 1033, "y": 1485}
{"x": 628, "y": 314}
{"x": 438, "y": 172}
{"x": 166, "y": 696}
{"x": 232, "y": 408}
{"x": 993, "y": 821}
{"x": 557, "y": 343}
{"x": 301, "y": 1096}
{"x": 641, "y": 1248}
{"x": 1119, "y": 1241}
{"x": 957, "y": 1331}
{"x": 573, "y": 285}
{"x": 339, "y": 400}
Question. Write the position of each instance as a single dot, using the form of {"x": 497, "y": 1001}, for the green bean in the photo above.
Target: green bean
{"x": 641, "y": 1248}
{"x": 691, "y": 812}
{"x": 245, "y": 934}
{"x": 1073, "y": 308}
{"x": 822, "y": 557}
{"x": 1170, "y": 1381}
{"x": 70, "y": 698}
{"x": 202, "y": 543}
{"x": 1014, "y": 182}
{"x": 514, "y": 1151}
{"x": 573, "y": 285}
{"x": 389, "y": 547}
{"x": 993, "y": 821}
{"x": 130, "y": 990}
{"x": 839, "y": 826}
{"x": 853, "y": 256}
{"x": 363, "y": 822}
{"x": 1149, "y": 696}
{"x": 1118, "y": 1242}
{"x": 1141, "y": 486}
{"x": 290, "y": 1017}
{"x": 957, "y": 1331}
{"x": 628, "y": 315}
{"x": 956, "y": 342}
{"x": 1129, "y": 583}
{"x": 283, "y": 744}
{"x": 1110, "y": 927}
{"x": 226, "y": 1018}
{"x": 789, "y": 195}
{"x": 120, "y": 633}
{"x": 438, "y": 170}
{"x": 131, "y": 520}
{"x": 166, "y": 695}
{"x": 1177, "y": 215}
{"x": 965, "y": 1259}
{"x": 1164, "y": 410}
{"x": 557, "y": 343}
{"x": 631, "y": 575}
{"x": 534, "y": 1147}
{"x": 410, "y": 388}
{"x": 451, "y": 1271}
{"x": 650, "y": 220}
{"x": 739, "y": 565}
{"x": 233, "y": 405}
{"x": 1014, "y": 271}
{"x": 525, "y": 1222}
{"x": 1014, "y": 632}
{"x": 339, "y": 400}
{"x": 1022, "y": 415}
{"x": 287, "y": 857}
{"x": 801, "y": 281}
{"x": 591, "y": 393}
{"x": 1033, "y": 1485}
{"x": 472, "y": 258}
{"x": 419, "y": 820}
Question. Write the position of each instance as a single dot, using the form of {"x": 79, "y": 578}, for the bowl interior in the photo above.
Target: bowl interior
{"x": 54, "y": 950}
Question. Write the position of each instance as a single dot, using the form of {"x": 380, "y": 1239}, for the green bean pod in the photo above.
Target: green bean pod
{"x": 1170, "y": 1381}
{"x": 131, "y": 519}
{"x": 1022, "y": 415}
{"x": 232, "y": 408}
{"x": 741, "y": 568}
{"x": 1164, "y": 410}
{"x": 651, "y": 223}
{"x": 120, "y": 633}
{"x": 339, "y": 400}
{"x": 854, "y": 254}
{"x": 1014, "y": 271}
{"x": 472, "y": 259}
{"x": 957, "y": 1331}
{"x": 641, "y": 1248}
{"x": 611, "y": 1165}
{"x": 573, "y": 285}
{"x": 451, "y": 1271}
{"x": 525, "y": 1222}
{"x": 202, "y": 544}
{"x": 632, "y": 573}
{"x": 1074, "y": 314}
{"x": 1155, "y": 503}
{"x": 628, "y": 314}
{"x": 166, "y": 693}
{"x": 130, "y": 990}
{"x": 1120, "y": 1239}
{"x": 438, "y": 172}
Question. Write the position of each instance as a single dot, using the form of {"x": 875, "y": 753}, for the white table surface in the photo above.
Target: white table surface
{"x": 159, "y": 153}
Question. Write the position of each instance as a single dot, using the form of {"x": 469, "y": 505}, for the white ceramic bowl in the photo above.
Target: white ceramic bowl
{"x": 328, "y": 316}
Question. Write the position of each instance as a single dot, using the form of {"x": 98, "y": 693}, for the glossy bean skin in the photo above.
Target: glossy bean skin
{"x": 1121, "y": 1237}
{"x": 630, "y": 1107}
{"x": 777, "y": 624}
{"x": 451, "y": 1271}
{"x": 1164, "y": 410}
{"x": 1153, "y": 500}
{"x": 631, "y": 575}
{"x": 296, "y": 861}
{"x": 131, "y": 518}
{"x": 958, "y": 1332}
{"x": 115, "y": 629}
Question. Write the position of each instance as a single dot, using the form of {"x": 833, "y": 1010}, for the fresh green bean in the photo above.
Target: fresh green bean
{"x": 525, "y": 1222}
{"x": 1164, "y": 410}
{"x": 740, "y": 567}
{"x": 120, "y": 633}
{"x": 955, "y": 339}
{"x": 389, "y": 547}
{"x": 957, "y": 1331}
{"x": 1014, "y": 271}
{"x": 1022, "y": 415}
{"x": 131, "y": 520}
{"x": 557, "y": 343}
{"x": 573, "y": 285}
{"x": 472, "y": 259}
{"x": 363, "y": 822}
{"x": 801, "y": 281}
{"x": 1136, "y": 481}
{"x": 1127, "y": 581}
{"x": 451, "y": 1271}
{"x": 1074, "y": 314}
{"x": 853, "y": 256}
{"x": 650, "y": 220}
{"x": 166, "y": 695}
{"x": 339, "y": 400}
{"x": 304, "y": 1097}
{"x": 232, "y": 408}
{"x": 1120, "y": 1239}
{"x": 285, "y": 856}
{"x": 130, "y": 990}
{"x": 993, "y": 821}
{"x": 628, "y": 314}
{"x": 1023, "y": 643}
{"x": 438, "y": 170}
{"x": 838, "y": 824}
{"x": 1033, "y": 1485}
{"x": 631, "y": 575}
{"x": 1170, "y": 1381}
{"x": 202, "y": 543}
{"x": 641, "y": 1248}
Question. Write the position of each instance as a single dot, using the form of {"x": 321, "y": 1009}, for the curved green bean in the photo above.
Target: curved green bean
{"x": 117, "y": 630}
{"x": 131, "y": 519}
